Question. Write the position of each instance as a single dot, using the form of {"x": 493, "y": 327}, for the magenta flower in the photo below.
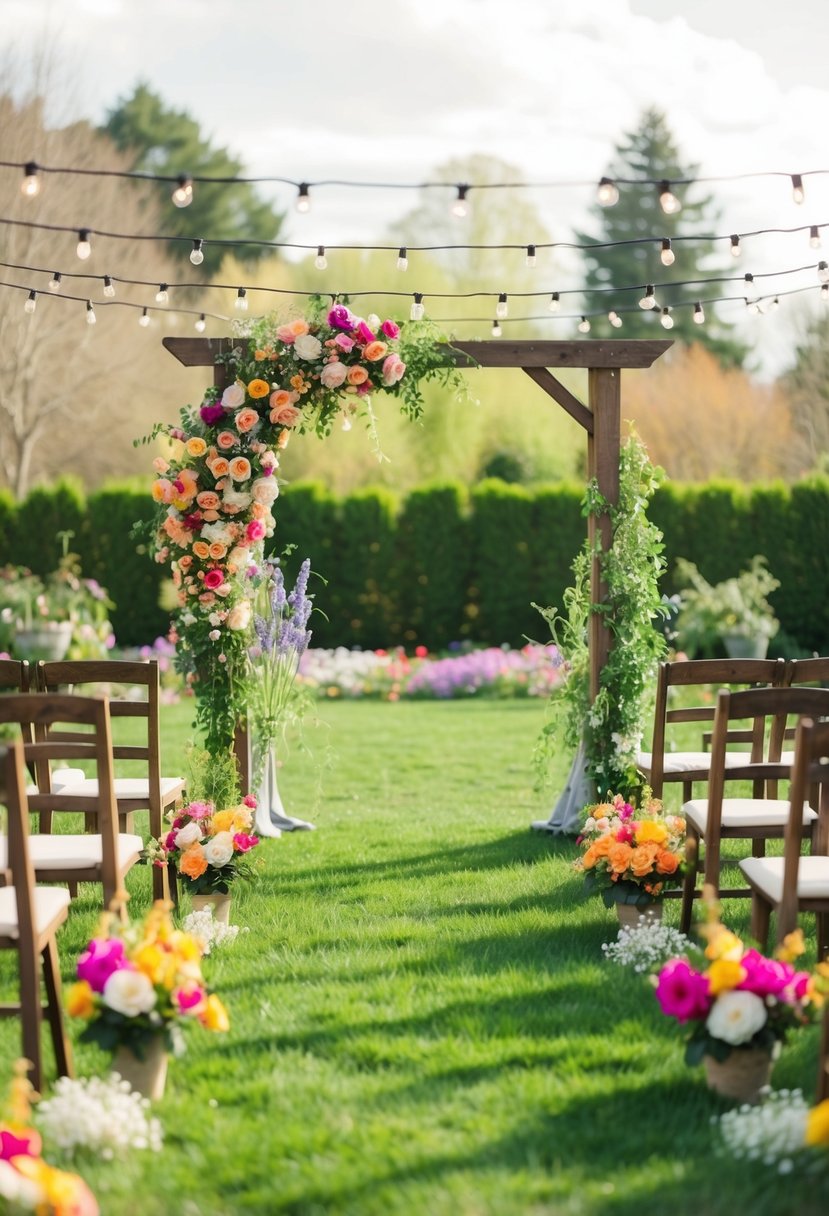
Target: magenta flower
{"x": 190, "y": 1000}
{"x": 800, "y": 985}
{"x": 199, "y": 810}
{"x": 243, "y": 843}
{"x": 193, "y": 522}
{"x": 102, "y": 957}
{"x": 625, "y": 833}
{"x": 254, "y": 531}
{"x": 389, "y": 330}
{"x": 764, "y": 976}
{"x": 211, "y": 415}
{"x": 340, "y": 318}
{"x": 365, "y": 333}
{"x": 170, "y": 842}
{"x": 215, "y": 578}
{"x": 682, "y": 992}
{"x": 250, "y": 800}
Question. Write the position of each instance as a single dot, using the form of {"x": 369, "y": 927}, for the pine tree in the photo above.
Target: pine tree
{"x": 650, "y": 152}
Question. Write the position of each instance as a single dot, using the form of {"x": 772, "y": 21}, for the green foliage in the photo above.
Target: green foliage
{"x": 122, "y": 564}
{"x": 212, "y": 778}
{"x": 363, "y": 596}
{"x": 8, "y": 513}
{"x": 41, "y": 517}
{"x": 556, "y": 535}
{"x": 736, "y": 607}
{"x": 432, "y": 566}
{"x": 501, "y": 527}
{"x": 308, "y": 525}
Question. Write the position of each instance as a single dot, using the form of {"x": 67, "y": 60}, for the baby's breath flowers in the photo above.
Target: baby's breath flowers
{"x": 210, "y": 932}
{"x": 101, "y": 1114}
{"x": 646, "y": 945}
{"x": 774, "y": 1134}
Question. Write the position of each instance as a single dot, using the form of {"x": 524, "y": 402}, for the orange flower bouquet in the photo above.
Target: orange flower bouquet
{"x": 631, "y": 855}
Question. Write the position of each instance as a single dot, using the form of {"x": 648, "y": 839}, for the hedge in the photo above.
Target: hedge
{"x": 445, "y": 565}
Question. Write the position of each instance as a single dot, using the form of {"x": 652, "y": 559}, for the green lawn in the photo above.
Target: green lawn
{"x": 421, "y": 1018}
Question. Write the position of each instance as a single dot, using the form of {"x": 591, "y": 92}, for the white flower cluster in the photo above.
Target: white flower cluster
{"x": 772, "y": 1133}
{"x": 646, "y": 946}
{"x": 208, "y": 930}
{"x": 99, "y": 1113}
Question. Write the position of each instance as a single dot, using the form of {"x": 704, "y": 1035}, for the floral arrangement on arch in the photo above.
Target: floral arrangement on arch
{"x": 216, "y": 491}
{"x": 630, "y": 855}
{"x": 140, "y": 980}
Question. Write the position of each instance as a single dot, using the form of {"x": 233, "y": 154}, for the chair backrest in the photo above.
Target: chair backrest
{"x": 21, "y": 874}
{"x": 14, "y": 675}
{"x": 807, "y": 671}
{"x": 810, "y": 782}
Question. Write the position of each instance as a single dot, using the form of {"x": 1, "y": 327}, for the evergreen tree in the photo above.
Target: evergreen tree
{"x": 650, "y": 152}
{"x": 170, "y": 142}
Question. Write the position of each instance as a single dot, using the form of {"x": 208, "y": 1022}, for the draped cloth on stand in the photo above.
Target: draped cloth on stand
{"x": 271, "y": 818}
{"x": 565, "y": 819}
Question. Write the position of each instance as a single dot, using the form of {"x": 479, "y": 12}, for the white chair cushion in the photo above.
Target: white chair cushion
{"x": 766, "y": 873}
{"x": 686, "y": 762}
{"x": 133, "y": 788}
{"x": 745, "y": 813}
{"x": 82, "y": 852}
{"x": 49, "y": 902}
{"x": 60, "y": 777}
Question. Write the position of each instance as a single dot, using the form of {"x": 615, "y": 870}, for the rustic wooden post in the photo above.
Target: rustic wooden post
{"x": 603, "y": 451}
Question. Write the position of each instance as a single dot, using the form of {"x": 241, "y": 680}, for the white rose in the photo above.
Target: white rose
{"x": 236, "y": 498}
{"x": 239, "y": 556}
{"x": 188, "y": 835}
{"x": 129, "y": 992}
{"x": 736, "y": 1017}
{"x": 308, "y": 347}
{"x": 333, "y": 374}
{"x": 216, "y": 532}
{"x": 219, "y": 849}
{"x": 239, "y": 615}
{"x": 265, "y": 490}
{"x": 233, "y": 397}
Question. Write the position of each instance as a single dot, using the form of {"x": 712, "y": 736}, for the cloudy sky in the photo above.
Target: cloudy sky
{"x": 370, "y": 92}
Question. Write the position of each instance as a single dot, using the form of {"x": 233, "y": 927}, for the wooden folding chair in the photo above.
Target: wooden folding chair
{"x": 153, "y": 792}
{"x": 791, "y": 883}
{"x": 29, "y": 919}
{"x": 762, "y": 816}
{"x": 101, "y": 855}
{"x": 14, "y": 675}
{"x": 807, "y": 671}
{"x": 662, "y": 764}
{"x": 823, "y": 1059}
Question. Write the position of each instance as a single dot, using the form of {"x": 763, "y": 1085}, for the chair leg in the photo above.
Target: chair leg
{"x": 54, "y": 1010}
{"x": 760, "y": 920}
{"x": 822, "y": 935}
{"x": 172, "y": 883}
{"x": 758, "y": 847}
{"x": 689, "y": 884}
{"x": 823, "y": 1058}
{"x": 73, "y": 890}
{"x": 31, "y": 1014}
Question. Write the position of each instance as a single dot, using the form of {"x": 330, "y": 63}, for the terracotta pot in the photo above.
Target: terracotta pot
{"x": 742, "y": 1075}
{"x": 629, "y": 914}
{"x": 147, "y": 1076}
{"x": 219, "y": 903}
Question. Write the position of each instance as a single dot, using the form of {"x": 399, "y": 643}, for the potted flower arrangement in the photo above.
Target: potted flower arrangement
{"x": 138, "y": 985}
{"x": 740, "y": 1005}
{"x": 735, "y": 613}
{"x": 629, "y": 856}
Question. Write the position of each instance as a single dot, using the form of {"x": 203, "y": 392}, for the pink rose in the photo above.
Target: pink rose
{"x": 254, "y": 531}
{"x": 243, "y": 843}
{"x": 333, "y": 374}
{"x": 213, "y": 579}
{"x": 344, "y": 342}
{"x": 365, "y": 333}
{"x": 286, "y": 335}
{"x": 226, "y": 440}
{"x": 393, "y": 370}
{"x": 389, "y": 330}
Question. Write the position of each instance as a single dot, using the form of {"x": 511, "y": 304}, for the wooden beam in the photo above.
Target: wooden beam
{"x": 575, "y": 408}
{"x": 197, "y": 352}
{"x": 604, "y": 448}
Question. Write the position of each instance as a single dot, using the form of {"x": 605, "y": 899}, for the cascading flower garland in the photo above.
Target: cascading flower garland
{"x": 216, "y": 490}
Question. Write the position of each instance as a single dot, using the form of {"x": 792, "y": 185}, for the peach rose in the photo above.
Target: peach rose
{"x": 185, "y": 562}
{"x": 286, "y": 415}
{"x": 207, "y": 500}
{"x": 642, "y": 859}
{"x": 283, "y": 439}
{"x": 160, "y": 464}
{"x": 226, "y": 440}
{"x": 280, "y": 397}
{"x": 219, "y": 467}
{"x": 374, "y": 351}
{"x": 162, "y": 490}
{"x": 210, "y": 516}
{"x": 217, "y": 550}
{"x": 239, "y": 615}
{"x": 201, "y": 550}
{"x": 333, "y": 374}
{"x": 258, "y": 510}
{"x": 193, "y": 862}
{"x": 246, "y": 419}
{"x": 666, "y": 862}
{"x": 357, "y": 375}
{"x": 195, "y": 446}
{"x": 240, "y": 468}
{"x": 293, "y": 330}
{"x": 619, "y": 856}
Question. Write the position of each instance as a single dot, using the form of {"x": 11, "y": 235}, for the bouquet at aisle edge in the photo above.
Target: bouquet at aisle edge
{"x": 137, "y": 981}
{"x": 630, "y": 855}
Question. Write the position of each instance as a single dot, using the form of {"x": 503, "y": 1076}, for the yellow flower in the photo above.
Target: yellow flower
{"x": 214, "y": 1016}
{"x": 158, "y": 965}
{"x": 817, "y": 1124}
{"x": 722, "y": 943}
{"x": 258, "y": 388}
{"x": 656, "y": 833}
{"x": 725, "y": 974}
{"x": 221, "y": 822}
{"x": 80, "y": 1002}
{"x": 791, "y": 947}
{"x": 195, "y": 446}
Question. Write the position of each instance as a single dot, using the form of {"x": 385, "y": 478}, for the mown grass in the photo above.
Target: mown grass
{"x": 421, "y": 1018}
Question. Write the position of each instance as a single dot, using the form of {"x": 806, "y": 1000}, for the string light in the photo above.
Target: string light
{"x": 823, "y": 272}
{"x": 735, "y": 246}
{"x": 90, "y": 313}
{"x": 814, "y": 237}
{"x": 667, "y": 256}
{"x": 460, "y": 207}
{"x": 502, "y": 307}
{"x": 749, "y": 278}
{"x": 241, "y": 301}
{"x": 798, "y": 193}
{"x": 607, "y": 193}
{"x": 583, "y": 326}
{"x": 84, "y": 248}
{"x": 321, "y": 261}
{"x": 30, "y": 186}
{"x": 668, "y": 201}
{"x": 531, "y": 258}
{"x": 303, "y": 198}
{"x": 555, "y": 303}
{"x": 753, "y": 307}
{"x": 699, "y": 314}
{"x": 144, "y": 319}
{"x": 614, "y": 319}
{"x": 496, "y": 329}
{"x": 200, "y": 325}
{"x": 54, "y": 282}
{"x": 666, "y": 319}
{"x": 182, "y": 196}
{"x": 109, "y": 287}
{"x": 197, "y": 252}
{"x": 417, "y": 311}
{"x": 648, "y": 299}
{"x": 31, "y": 303}
{"x": 402, "y": 258}
{"x": 824, "y": 293}
{"x": 162, "y": 296}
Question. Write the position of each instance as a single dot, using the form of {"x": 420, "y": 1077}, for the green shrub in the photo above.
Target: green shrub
{"x": 363, "y": 598}
{"x": 504, "y": 585}
{"x": 432, "y": 566}
{"x": 308, "y": 517}
{"x": 8, "y": 514}
{"x": 46, "y": 511}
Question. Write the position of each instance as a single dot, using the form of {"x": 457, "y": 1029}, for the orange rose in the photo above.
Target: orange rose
{"x": 195, "y": 446}
{"x": 602, "y": 845}
{"x": 375, "y": 351}
{"x": 247, "y": 418}
{"x": 258, "y": 388}
{"x": 226, "y": 440}
{"x": 642, "y": 859}
{"x": 207, "y": 500}
{"x": 282, "y": 439}
{"x": 219, "y": 467}
{"x": 284, "y": 415}
{"x": 666, "y": 862}
{"x": 240, "y": 468}
{"x": 619, "y": 856}
{"x": 357, "y": 375}
{"x": 590, "y": 858}
{"x": 201, "y": 550}
{"x": 217, "y": 551}
{"x": 193, "y": 862}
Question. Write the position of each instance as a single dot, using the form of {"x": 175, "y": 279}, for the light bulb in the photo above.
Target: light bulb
{"x": 182, "y": 196}
{"x": 749, "y": 278}
{"x": 144, "y": 319}
{"x": 752, "y": 306}
{"x": 667, "y": 256}
{"x": 346, "y": 423}
{"x": 84, "y": 248}
{"x": 31, "y": 302}
{"x": 460, "y": 207}
{"x": 531, "y": 259}
{"x": 555, "y": 303}
{"x": 241, "y": 301}
{"x": 699, "y": 314}
{"x": 496, "y": 329}
{"x": 109, "y": 290}
{"x": 666, "y": 319}
{"x": 90, "y": 313}
{"x": 197, "y": 252}
{"x": 200, "y": 325}
{"x": 54, "y": 282}
{"x": 403, "y": 258}
{"x": 824, "y": 293}
{"x": 417, "y": 310}
{"x": 735, "y": 246}
{"x": 773, "y": 304}
{"x": 584, "y": 326}
{"x": 321, "y": 261}
{"x": 823, "y": 272}
{"x": 30, "y": 186}
{"x": 614, "y": 319}
{"x": 502, "y": 307}
{"x": 668, "y": 201}
{"x": 303, "y": 198}
{"x": 648, "y": 299}
{"x": 607, "y": 193}
{"x": 162, "y": 295}
{"x": 798, "y": 193}
{"x": 814, "y": 237}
